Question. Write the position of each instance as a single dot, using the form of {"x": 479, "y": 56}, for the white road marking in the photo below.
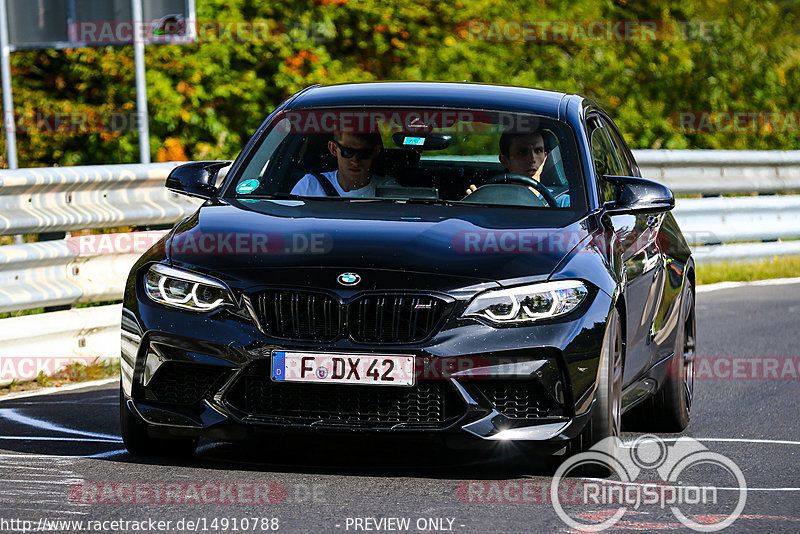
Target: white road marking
{"x": 745, "y": 440}
{"x": 59, "y": 456}
{"x": 23, "y": 481}
{"x": 62, "y": 403}
{"x": 29, "y": 490}
{"x": 762, "y": 489}
{"x": 46, "y": 438}
{"x": 650, "y": 482}
{"x": 722, "y": 440}
{"x": 108, "y": 454}
{"x": 13, "y": 414}
{"x": 730, "y": 285}
{"x": 733, "y": 440}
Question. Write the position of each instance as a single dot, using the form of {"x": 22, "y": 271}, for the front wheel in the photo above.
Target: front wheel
{"x": 139, "y": 443}
{"x": 605, "y": 421}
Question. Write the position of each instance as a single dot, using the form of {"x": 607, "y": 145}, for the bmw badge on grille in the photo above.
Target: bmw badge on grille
{"x": 349, "y": 279}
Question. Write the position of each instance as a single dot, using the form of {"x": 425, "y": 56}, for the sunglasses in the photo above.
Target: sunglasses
{"x": 348, "y": 152}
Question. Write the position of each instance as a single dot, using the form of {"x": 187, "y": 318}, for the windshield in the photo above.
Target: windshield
{"x": 434, "y": 155}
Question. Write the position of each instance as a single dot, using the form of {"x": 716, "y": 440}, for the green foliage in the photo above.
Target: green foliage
{"x": 42, "y": 379}
{"x": 207, "y": 98}
{"x": 747, "y": 271}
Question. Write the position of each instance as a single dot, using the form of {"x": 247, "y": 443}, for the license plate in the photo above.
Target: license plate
{"x": 334, "y": 368}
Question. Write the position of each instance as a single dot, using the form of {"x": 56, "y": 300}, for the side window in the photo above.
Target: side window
{"x": 605, "y": 160}
{"x": 629, "y": 167}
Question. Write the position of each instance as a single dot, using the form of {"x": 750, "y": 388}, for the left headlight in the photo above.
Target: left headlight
{"x": 185, "y": 290}
{"x": 526, "y": 304}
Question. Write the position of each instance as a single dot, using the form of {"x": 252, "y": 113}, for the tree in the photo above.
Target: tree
{"x": 207, "y": 98}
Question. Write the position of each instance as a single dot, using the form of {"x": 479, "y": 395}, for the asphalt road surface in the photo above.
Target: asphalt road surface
{"x": 63, "y": 467}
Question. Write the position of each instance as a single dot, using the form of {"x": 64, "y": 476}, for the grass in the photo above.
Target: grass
{"x": 72, "y": 373}
{"x": 777, "y": 267}
{"x": 27, "y": 238}
{"x": 35, "y": 311}
{"x": 20, "y": 313}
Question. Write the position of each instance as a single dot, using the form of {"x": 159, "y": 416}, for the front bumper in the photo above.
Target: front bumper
{"x": 189, "y": 375}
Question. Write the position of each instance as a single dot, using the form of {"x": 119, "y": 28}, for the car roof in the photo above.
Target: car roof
{"x": 433, "y": 94}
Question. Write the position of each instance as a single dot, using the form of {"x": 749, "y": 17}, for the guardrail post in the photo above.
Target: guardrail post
{"x": 54, "y": 236}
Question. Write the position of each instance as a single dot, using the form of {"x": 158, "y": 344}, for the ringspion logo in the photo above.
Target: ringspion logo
{"x": 684, "y": 471}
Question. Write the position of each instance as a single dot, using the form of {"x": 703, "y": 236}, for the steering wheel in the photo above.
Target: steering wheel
{"x": 521, "y": 179}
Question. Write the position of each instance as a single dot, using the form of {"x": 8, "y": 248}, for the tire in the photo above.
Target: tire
{"x": 605, "y": 420}
{"x": 668, "y": 411}
{"x": 139, "y": 443}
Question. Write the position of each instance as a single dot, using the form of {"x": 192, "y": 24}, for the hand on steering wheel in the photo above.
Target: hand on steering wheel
{"x": 521, "y": 179}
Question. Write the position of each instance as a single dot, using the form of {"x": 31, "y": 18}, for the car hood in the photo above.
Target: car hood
{"x": 282, "y": 239}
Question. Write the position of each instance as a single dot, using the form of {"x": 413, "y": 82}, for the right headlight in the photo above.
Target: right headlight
{"x": 527, "y": 304}
{"x": 184, "y": 290}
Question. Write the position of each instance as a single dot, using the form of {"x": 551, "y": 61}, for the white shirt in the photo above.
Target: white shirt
{"x": 308, "y": 186}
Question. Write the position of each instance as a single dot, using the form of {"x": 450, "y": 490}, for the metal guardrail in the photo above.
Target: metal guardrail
{"x": 76, "y": 198}
{"x": 51, "y": 340}
{"x": 722, "y": 171}
{"x": 731, "y": 219}
{"x": 56, "y": 273}
{"x": 744, "y": 251}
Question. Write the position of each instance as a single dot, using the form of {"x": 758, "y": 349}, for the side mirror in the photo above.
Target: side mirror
{"x": 637, "y": 195}
{"x": 196, "y": 179}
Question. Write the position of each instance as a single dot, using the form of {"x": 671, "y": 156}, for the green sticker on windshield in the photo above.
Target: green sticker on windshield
{"x": 248, "y": 186}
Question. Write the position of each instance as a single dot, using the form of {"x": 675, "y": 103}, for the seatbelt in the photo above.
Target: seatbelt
{"x": 326, "y": 185}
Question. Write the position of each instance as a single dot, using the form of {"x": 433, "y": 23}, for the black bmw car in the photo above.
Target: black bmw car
{"x": 476, "y": 263}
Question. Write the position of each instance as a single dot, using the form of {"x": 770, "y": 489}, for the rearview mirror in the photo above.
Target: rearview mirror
{"x": 196, "y": 179}
{"x": 637, "y": 195}
{"x": 422, "y": 141}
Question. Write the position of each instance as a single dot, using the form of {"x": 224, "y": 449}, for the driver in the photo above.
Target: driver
{"x": 524, "y": 154}
{"x": 355, "y": 153}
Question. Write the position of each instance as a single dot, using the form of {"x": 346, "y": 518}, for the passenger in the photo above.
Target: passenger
{"x": 355, "y": 154}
